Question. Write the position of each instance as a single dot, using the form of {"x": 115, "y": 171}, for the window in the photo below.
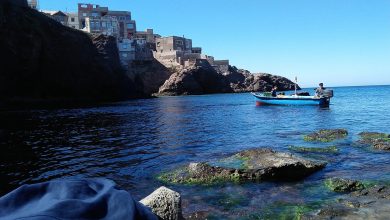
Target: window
{"x": 84, "y": 6}
{"x": 179, "y": 42}
{"x": 124, "y": 55}
{"x": 85, "y": 14}
{"x": 72, "y": 19}
{"x": 95, "y": 14}
{"x": 130, "y": 26}
{"x": 124, "y": 46}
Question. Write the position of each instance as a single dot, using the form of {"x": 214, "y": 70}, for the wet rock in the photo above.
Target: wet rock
{"x": 253, "y": 165}
{"x": 326, "y": 135}
{"x": 369, "y": 203}
{"x": 330, "y": 149}
{"x": 376, "y": 140}
{"x": 165, "y": 203}
{"x": 343, "y": 185}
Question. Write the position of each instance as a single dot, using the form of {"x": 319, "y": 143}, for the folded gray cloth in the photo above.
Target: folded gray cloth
{"x": 72, "y": 199}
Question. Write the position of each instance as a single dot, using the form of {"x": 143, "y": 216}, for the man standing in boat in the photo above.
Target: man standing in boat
{"x": 273, "y": 91}
{"x": 320, "y": 90}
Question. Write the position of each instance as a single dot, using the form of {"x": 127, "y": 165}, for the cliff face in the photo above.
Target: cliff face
{"x": 203, "y": 79}
{"x": 194, "y": 80}
{"x": 244, "y": 81}
{"x": 42, "y": 60}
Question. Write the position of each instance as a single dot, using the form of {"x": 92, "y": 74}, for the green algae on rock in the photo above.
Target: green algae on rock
{"x": 379, "y": 141}
{"x": 254, "y": 165}
{"x": 326, "y": 135}
{"x": 343, "y": 185}
{"x": 301, "y": 149}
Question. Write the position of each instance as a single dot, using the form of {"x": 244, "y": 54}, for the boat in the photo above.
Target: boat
{"x": 266, "y": 98}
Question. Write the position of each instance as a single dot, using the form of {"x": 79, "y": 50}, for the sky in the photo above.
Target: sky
{"x": 337, "y": 42}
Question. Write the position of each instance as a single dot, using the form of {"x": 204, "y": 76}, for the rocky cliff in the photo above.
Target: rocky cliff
{"x": 201, "y": 78}
{"x": 42, "y": 60}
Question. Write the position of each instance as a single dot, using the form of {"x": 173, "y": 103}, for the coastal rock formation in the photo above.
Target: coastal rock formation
{"x": 148, "y": 76}
{"x": 244, "y": 81}
{"x": 165, "y": 203}
{"x": 369, "y": 203}
{"x": 343, "y": 185}
{"x": 43, "y": 60}
{"x": 301, "y": 149}
{"x": 200, "y": 78}
{"x": 326, "y": 135}
{"x": 376, "y": 140}
{"x": 253, "y": 165}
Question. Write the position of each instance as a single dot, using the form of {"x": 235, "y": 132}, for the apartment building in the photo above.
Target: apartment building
{"x": 90, "y": 11}
{"x": 33, "y": 4}
{"x": 106, "y": 25}
{"x": 127, "y": 27}
{"x": 59, "y": 16}
{"x": 73, "y": 20}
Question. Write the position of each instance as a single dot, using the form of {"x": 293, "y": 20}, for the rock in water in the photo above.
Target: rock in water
{"x": 376, "y": 140}
{"x": 249, "y": 165}
{"x": 165, "y": 203}
{"x": 343, "y": 185}
{"x": 200, "y": 78}
{"x": 326, "y": 135}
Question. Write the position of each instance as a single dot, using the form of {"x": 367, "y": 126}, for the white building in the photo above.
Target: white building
{"x": 106, "y": 25}
{"x": 33, "y": 4}
{"x": 73, "y": 20}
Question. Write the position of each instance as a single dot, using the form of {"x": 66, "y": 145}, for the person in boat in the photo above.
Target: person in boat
{"x": 320, "y": 90}
{"x": 273, "y": 91}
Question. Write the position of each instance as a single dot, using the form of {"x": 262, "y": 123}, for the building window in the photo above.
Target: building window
{"x": 179, "y": 42}
{"x": 72, "y": 19}
{"x": 130, "y": 26}
{"x": 85, "y": 14}
{"x": 124, "y": 46}
{"x": 124, "y": 55}
{"x": 95, "y": 14}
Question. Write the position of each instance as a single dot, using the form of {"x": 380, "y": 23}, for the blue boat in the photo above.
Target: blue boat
{"x": 267, "y": 99}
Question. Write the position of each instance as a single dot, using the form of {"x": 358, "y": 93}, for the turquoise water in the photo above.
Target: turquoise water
{"x": 132, "y": 142}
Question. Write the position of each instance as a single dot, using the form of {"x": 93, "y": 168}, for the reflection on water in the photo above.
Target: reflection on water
{"x": 132, "y": 142}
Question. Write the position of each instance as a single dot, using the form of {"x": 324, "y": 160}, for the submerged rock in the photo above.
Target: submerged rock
{"x": 343, "y": 185}
{"x": 330, "y": 149}
{"x": 165, "y": 203}
{"x": 326, "y": 135}
{"x": 248, "y": 165}
{"x": 369, "y": 203}
{"x": 376, "y": 140}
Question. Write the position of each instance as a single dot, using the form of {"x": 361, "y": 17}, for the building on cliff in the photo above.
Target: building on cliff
{"x": 127, "y": 27}
{"x": 73, "y": 20}
{"x": 105, "y": 25}
{"x": 178, "y": 51}
{"x": 147, "y": 35}
{"x": 59, "y": 16}
{"x": 90, "y": 11}
{"x": 33, "y": 4}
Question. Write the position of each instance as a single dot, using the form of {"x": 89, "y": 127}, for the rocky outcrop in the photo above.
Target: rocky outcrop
{"x": 200, "y": 78}
{"x": 244, "y": 81}
{"x": 369, "y": 203}
{"x": 343, "y": 185}
{"x": 253, "y": 165}
{"x": 43, "y": 60}
{"x": 165, "y": 203}
{"x": 148, "y": 76}
{"x": 376, "y": 140}
{"x": 326, "y": 135}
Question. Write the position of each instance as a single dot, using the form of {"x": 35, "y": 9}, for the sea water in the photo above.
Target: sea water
{"x": 132, "y": 142}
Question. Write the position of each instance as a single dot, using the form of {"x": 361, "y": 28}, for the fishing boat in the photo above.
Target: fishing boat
{"x": 266, "y": 98}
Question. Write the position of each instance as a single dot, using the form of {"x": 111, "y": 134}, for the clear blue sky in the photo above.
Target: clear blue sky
{"x": 338, "y": 42}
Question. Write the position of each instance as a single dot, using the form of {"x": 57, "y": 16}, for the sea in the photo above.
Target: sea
{"x": 133, "y": 142}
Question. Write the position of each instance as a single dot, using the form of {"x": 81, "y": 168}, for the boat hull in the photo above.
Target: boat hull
{"x": 292, "y": 100}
